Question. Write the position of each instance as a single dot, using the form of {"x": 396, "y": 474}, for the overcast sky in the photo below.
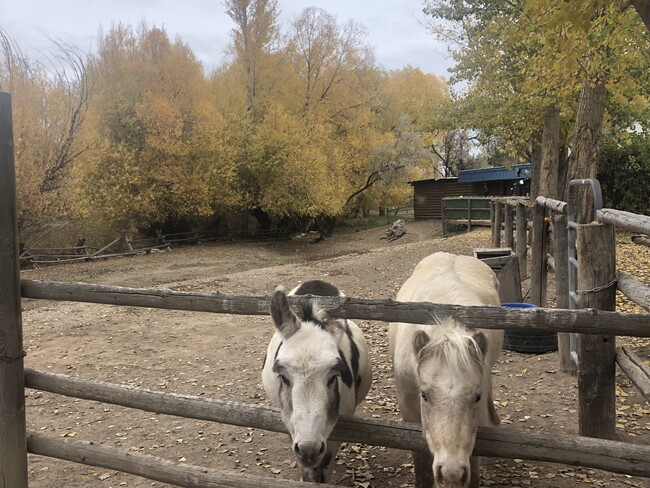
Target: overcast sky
{"x": 394, "y": 27}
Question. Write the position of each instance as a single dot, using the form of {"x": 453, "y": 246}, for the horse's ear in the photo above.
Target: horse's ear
{"x": 480, "y": 339}
{"x": 421, "y": 339}
{"x": 283, "y": 317}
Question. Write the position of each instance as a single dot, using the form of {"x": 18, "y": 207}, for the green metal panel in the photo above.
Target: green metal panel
{"x": 458, "y": 208}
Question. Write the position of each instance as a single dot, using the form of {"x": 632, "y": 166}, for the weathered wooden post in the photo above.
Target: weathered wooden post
{"x": 492, "y": 224}
{"x": 596, "y": 248}
{"x": 13, "y": 445}
{"x": 522, "y": 249}
{"x": 444, "y": 226}
{"x": 538, "y": 272}
{"x": 498, "y": 218}
{"x": 508, "y": 226}
{"x": 561, "y": 256}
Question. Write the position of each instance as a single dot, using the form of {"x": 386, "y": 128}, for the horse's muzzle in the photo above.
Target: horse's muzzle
{"x": 452, "y": 475}
{"x": 309, "y": 453}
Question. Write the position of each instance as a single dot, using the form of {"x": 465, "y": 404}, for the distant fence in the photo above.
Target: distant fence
{"x": 123, "y": 246}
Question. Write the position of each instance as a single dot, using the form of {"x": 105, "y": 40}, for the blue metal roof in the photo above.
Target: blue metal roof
{"x": 515, "y": 172}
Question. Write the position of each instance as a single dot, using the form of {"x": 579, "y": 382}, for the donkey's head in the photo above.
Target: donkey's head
{"x": 308, "y": 364}
{"x": 450, "y": 369}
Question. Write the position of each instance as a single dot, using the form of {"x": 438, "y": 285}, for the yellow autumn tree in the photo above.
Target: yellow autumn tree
{"x": 159, "y": 134}
{"x": 50, "y": 101}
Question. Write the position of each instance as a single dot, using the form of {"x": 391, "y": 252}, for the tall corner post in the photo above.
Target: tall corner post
{"x": 13, "y": 446}
{"x": 596, "y": 250}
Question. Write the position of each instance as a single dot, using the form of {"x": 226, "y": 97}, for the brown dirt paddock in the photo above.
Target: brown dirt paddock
{"x": 220, "y": 356}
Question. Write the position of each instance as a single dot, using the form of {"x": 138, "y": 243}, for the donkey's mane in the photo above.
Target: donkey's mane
{"x": 454, "y": 344}
{"x": 311, "y": 312}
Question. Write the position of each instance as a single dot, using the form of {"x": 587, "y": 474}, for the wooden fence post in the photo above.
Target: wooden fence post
{"x": 521, "y": 246}
{"x": 538, "y": 272}
{"x": 492, "y": 225}
{"x": 561, "y": 256}
{"x": 496, "y": 237}
{"x": 508, "y": 241}
{"x": 13, "y": 445}
{"x": 596, "y": 248}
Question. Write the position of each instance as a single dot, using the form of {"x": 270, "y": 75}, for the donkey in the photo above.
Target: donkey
{"x": 315, "y": 369}
{"x": 443, "y": 371}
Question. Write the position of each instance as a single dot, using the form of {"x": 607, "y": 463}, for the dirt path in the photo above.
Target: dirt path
{"x": 220, "y": 356}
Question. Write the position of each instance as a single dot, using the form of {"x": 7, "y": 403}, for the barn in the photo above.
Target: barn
{"x": 499, "y": 181}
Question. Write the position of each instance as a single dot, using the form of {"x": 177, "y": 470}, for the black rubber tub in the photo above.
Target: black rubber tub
{"x": 528, "y": 341}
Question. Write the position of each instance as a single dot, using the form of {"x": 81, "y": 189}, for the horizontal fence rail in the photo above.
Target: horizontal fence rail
{"x": 625, "y": 220}
{"x": 150, "y": 467}
{"x": 634, "y": 290}
{"x": 635, "y": 369}
{"x": 555, "y": 205}
{"x": 587, "y": 321}
{"x": 618, "y": 457}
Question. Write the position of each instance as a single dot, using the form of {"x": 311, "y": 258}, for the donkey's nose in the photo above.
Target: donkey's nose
{"x": 308, "y": 452}
{"x": 452, "y": 475}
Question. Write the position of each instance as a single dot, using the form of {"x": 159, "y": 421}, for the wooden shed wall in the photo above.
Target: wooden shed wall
{"x": 427, "y": 202}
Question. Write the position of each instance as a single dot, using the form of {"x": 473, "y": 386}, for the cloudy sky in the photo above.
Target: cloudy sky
{"x": 394, "y": 27}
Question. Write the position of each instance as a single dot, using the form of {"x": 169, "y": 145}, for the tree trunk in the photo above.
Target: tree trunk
{"x": 583, "y": 161}
{"x": 536, "y": 161}
{"x": 562, "y": 176}
{"x": 643, "y": 8}
{"x": 548, "y": 182}
{"x": 263, "y": 221}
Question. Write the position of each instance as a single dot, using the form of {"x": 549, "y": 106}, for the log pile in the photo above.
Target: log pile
{"x": 397, "y": 230}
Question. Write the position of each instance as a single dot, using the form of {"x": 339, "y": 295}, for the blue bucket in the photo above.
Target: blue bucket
{"x": 528, "y": 341}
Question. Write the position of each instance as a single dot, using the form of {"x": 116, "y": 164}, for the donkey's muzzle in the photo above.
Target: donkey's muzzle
{"x": 309, "y": 453}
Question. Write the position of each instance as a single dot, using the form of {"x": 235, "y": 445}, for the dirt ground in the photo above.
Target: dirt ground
{"x": 220, "y": 356}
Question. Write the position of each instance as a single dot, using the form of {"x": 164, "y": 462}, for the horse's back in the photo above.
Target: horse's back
{"x": 453, "y": 279}
{"x": 440, "y": 278}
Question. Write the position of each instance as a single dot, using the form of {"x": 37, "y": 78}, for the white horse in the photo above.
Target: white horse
{"x": 443, "y": 371}
{"x": 315, "y": 369}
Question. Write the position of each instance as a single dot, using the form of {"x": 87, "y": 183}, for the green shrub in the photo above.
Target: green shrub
{"x": 624, "y": 172}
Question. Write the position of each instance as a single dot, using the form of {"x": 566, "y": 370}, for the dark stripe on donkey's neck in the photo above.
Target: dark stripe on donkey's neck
{"x": 346, "y": 374}
{"x": 354, "y": 356}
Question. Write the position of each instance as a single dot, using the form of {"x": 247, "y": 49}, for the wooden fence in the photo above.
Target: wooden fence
{"x": 122, "y": 246}
{"x": 15, "y": 442}
{"x": 598, "y": 279}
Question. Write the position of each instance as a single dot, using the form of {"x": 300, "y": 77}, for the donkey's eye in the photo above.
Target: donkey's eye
{"x": 477, "y": 398}
{"x": 332, "y": 380}
{"x": 285, "y": 380}
{"x": 424, "y": 396}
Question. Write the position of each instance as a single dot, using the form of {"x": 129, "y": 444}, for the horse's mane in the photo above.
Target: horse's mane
{"x": 453, "y": 343}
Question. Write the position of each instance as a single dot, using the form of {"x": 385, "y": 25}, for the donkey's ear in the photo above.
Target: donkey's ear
{"x": 421, "y": 339}
{"x": 480, "y": 340}
{"x": 283, "y": 317}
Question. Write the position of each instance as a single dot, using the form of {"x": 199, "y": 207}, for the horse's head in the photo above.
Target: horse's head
{"x": 450, "y": 370}
{"x": 308, "y": 364}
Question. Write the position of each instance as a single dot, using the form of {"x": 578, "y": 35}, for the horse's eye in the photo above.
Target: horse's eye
{"x": 424, "y": 396}
{"x": 285, "y": 380}
{"x": 332, "y": 380}
{"x": 477, "y": 398}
